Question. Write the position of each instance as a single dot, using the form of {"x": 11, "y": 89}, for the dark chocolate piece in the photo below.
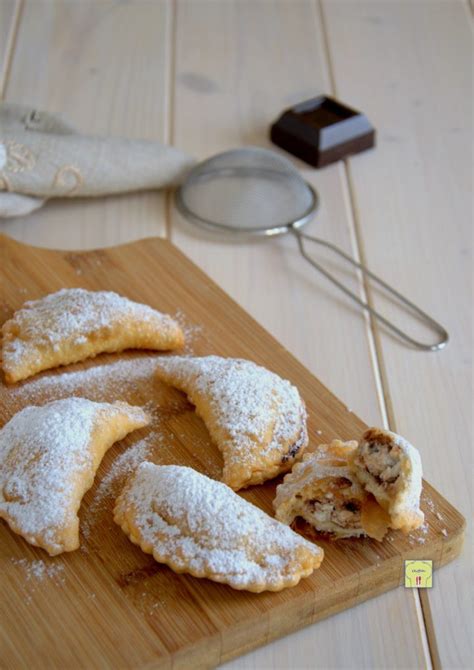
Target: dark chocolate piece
{"x": 322, "y": 130}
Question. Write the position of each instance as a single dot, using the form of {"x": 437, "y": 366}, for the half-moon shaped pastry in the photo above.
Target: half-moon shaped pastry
{"x": 324, "y": 491}
{"x": 74, "y": 324}
{"x": 390, "y": 468}
{"x": 257, "y": 419}
{"x": 48, "y": 458}
{"x": 199, "y": 526}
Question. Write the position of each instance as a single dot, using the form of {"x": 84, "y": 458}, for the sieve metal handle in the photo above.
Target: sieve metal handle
{"x": 438, "y": 328}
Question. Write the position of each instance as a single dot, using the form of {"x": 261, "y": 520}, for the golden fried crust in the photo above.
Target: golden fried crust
{"x": 48, "y": 459}
{"x": 323, "y": 490}
{"x": 74, "y": 324}
{"x": 389, "y": 467}
{"x": 199, "y": 526}
{"x": 257, "y": 419}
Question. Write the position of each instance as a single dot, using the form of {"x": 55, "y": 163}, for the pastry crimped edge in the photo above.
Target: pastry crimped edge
{"x": 147, "y": 548}
{"x": 122, "y": 511}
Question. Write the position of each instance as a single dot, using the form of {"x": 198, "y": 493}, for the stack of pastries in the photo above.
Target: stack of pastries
{"x": 49, "y": 455}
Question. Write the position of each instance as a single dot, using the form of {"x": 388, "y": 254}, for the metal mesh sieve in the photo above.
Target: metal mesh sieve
{"x": 255, "y": 191}
{"x": 249, "y": 190}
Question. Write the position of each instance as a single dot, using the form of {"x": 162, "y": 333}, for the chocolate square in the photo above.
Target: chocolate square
{"x": 322, "y": 130}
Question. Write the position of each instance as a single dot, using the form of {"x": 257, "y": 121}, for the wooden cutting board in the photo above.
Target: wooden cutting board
{"x": 110, "y": 605}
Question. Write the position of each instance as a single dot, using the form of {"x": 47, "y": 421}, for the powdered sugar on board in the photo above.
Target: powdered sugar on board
{"x": 114, "y": 380}
{"x": 36, "y": 572}
{"x": 201, "y": 526}
{"x": 111, "y": 484}
{"x": 419, "y": 535}
{"x": 39, "y": 570}
{"x": 193, "y": 333}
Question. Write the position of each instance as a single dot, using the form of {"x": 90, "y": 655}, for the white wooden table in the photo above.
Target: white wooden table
{"x": 211, "y": 75}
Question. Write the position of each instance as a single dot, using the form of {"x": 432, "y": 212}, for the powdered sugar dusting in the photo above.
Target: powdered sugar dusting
{"x": 40, "y": 570}
{"x": 116, "y": 381}
{"x": 192, "y": 332}
{"x": 74, "y": 316}
{"x": 203, "y": 527}
{"x": 131, "y": 379}
{"x": 247, "y": 401}
{"x": 419, "y": 535}
{"x": 75, "y": 312}
{"x": 429, "y": 503}
{"x": 35, "y": 572}
{"x": 123, "y": 466}
{"x": 41, "y": 450}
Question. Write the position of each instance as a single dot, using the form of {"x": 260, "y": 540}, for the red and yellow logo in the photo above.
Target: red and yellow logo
{"x": 419, "y": 574}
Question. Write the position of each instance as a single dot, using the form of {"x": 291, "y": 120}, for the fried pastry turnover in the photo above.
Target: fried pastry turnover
{"x": 389, "y": 467}
{"x": 74, "y": 324}
{"x": 48, "y": 458}
{"x": 256, "y": 419}
{"x": 199, "y": 526}
{"x": 323, "y": 490}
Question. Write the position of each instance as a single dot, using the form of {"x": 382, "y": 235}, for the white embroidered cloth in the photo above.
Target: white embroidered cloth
{"x": 42, "y": 157}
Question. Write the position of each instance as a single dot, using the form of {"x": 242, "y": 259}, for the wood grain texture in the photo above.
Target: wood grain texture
{"x": 105, "y": 67}
{"x": 198, "y": 623}
{"x": 415, "y": 216}
{"x": 269, "y": 59}
{"x": 77, "y": 57}
{"x": 268, "y": 277}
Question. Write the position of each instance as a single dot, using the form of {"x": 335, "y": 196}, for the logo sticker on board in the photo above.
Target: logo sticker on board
{"x": 419, "y": 574}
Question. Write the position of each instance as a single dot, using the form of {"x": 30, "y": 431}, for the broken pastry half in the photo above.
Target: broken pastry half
{"x": 256, "y": 419}
{"x": 48, "y": 458}
{"x": 199, "y": 526}
{"x": 323, "y": 490}
{"x": 74, "y": 324}
{"x": 390, "y": 468}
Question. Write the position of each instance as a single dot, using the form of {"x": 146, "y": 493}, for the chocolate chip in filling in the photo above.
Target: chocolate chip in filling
{"x": 345, "y": 513}
{"x": 292, "y": 451}
{"x": 294, "y": 448}
{"x": 382, "y": 460}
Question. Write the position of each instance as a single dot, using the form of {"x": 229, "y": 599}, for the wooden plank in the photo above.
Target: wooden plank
{"x": 104, "y": 66}
{"x": 9, "y": 14}
{"x": 155, "y": 616}
{"x": 238, "y": 65}
{"x": 407, "y": 66}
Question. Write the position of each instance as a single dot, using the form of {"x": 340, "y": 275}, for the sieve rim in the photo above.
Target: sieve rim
{"x": 277, "y": 229}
